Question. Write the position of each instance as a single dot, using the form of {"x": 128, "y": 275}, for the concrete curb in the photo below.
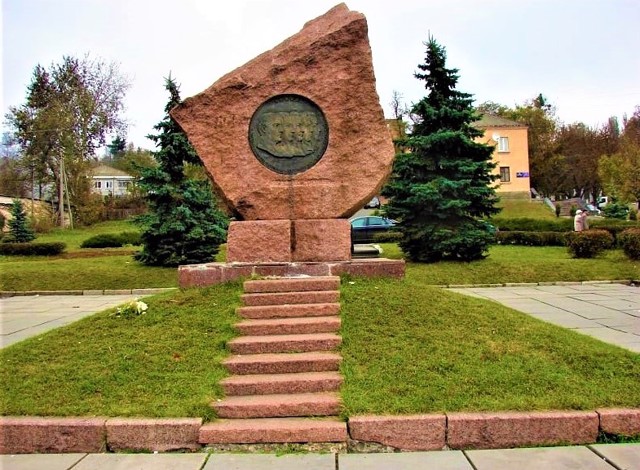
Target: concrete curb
{"x": 626, "y": 282}
{"x": 150, "y": 291}
{"x": 26, "y": 435}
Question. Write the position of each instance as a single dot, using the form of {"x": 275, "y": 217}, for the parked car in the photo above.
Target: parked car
{"x": 592, "y": 210}
{"x": 374, "y": 203}
{"x": 364, "y": 228}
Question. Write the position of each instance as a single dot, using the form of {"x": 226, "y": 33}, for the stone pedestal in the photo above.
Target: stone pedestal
{"x": 311, "y": 240}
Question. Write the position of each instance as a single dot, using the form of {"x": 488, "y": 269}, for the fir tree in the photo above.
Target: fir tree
{"x": 184, "y": 224}
{"x": 441, "y": 187}
{"x": 19, "y": 229}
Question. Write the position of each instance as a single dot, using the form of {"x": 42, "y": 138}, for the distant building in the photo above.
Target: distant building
{"x": 511, "y": 154}
{"x": 109, "y": 181}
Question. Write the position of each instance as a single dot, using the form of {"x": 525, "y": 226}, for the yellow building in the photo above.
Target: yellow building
{"x": 511, "y": 154}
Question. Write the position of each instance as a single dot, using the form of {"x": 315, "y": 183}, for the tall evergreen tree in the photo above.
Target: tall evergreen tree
{"x": 184, "y": 224}
{"x": 441, "y": 187}
{"x": 19, "y": 229}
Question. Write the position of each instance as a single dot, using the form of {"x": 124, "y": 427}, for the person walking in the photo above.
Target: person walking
{"x": 578, "y": 221}
{"x": 585, "y": 221}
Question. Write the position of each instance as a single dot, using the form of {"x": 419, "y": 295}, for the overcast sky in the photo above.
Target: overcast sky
{"x": 583, "y": 55}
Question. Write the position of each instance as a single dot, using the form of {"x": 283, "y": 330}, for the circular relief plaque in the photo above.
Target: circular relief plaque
{"x": 288, "y": 134}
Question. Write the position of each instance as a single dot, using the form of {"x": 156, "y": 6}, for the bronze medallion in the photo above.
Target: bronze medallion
{"x": 288, "y": 134}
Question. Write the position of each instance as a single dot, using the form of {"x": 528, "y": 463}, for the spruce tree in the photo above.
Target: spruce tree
{"x": 19, "y": 229}
{"x": 441, "y": 186}
{"x": 183, "y": 224}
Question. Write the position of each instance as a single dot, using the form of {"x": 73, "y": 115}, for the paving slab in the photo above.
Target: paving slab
{"x": 142, "y": 462}
{"x": 552, "y": 458}
{"x": 441, "y": 460}
{"x": 39, "y": 461}
{"x": 609, "y": 312}
{"x": 271, "y": 462}
{"x": 623, "y": 456}
{"x": 22, "y": 317}
{"x": 566, "y": 320}
{"x": 609, "y": 335}
{"x": 620, "y": 319}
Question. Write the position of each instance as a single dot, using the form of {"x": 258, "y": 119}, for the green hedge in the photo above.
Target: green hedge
{"x": 524, "y": 224}
{"x": 32, "y": 249}
{"x": 589, "y": 243}
{"x": 531, "y": 238}
{"x": 613, "y": 226}
{"x": 387, "y": 237}
{"x": 112, "y": 240}
{"x": 629, "y": 241}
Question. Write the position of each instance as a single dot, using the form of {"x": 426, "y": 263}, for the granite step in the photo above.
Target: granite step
{"x": 287, "y": 298}
{"x": 273, "y": 430}
{"x": 292, "y": 284}
{"x": 284, "y": 343}
{"x": 289, "y": 311}
{"x": 273, "y": 384}
{"x": 283, "y": 363}
{"x": 289, "y": 326}
{"x": 278, "y": 406}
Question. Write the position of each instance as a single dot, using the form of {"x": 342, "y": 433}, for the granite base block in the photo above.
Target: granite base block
{"x": 201, "y": 275}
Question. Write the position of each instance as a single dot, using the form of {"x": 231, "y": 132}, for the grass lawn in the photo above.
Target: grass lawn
{"x": 517, "y": 208}
{"x": 74, "y": 238}
{"x": 109, "y": 271}
{"x": 85, "y": 268}
{"x": 522, "y": 264}
{"x": 163, "y": 363}
{"x": 407, "y": 347}
{"x": 411, "y": 348}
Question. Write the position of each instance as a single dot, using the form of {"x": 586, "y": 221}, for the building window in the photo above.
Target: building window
{"x": 503, "y": 144}
{"x": 97, "y": 184}
{"x": 107, "y": 184}
{"x": 505, "y": 174}
{"x": 123, "y": 184}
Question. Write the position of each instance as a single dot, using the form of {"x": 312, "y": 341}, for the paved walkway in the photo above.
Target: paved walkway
{"x": 24, "y": 316}
{"x": 608, "y": 312}
{"x": 593, "y": 457}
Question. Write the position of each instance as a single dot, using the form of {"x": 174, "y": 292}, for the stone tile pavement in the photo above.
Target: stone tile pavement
{"x": 24, "y": 316}
{"x": 608, "y": 312}
{"x": 592, "y": 457}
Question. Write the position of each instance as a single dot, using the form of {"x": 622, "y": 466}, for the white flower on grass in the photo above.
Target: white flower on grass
{"x": 132, "y": 309}
{"x": 141, "y": 307}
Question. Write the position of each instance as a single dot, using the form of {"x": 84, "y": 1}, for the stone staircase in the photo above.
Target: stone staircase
{"x": 285, "y": 381}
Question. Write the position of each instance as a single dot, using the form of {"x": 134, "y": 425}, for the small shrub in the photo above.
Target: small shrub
{"x": 615, "y": 210}
{"x": 90, "y": 211}
{"x": 573, "y": 211}
{"x": 589, "y": 243}
{"x": 387, "y": 237}
{"x": 112, "y": 240}
{"x": 19, "y": 228}
{"x": 131, "y": 238}
{"x": 32, "y": 249}
{"x": 633, "y": 215}
{"x": 531, "y": 238}
{"x": 629, "y": 240}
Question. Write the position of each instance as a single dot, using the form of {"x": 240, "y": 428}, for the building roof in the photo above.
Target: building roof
{"x": 108, "y": 172}
{"x": 491, "y": 120}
